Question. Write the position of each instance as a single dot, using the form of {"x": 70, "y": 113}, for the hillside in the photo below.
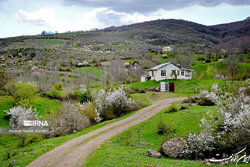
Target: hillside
{"x": 179, "y": 33}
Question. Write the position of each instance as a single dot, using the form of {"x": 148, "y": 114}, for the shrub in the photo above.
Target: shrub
{"x": 209, "y": 98}
{"x": 54, "y": 94}
{"x": 81, "y": 94}
{"x": 224, "y": 131}
{"x": 19, "y": 114}
{"x": 208, "y": 61}
{"x": 114, "y": 103}
{"x": 58, "y": 86}
{"x": 69, "y": 119}
{"x": 191, "y": 100}
{"x": 141, "y": 91}
{"x": 203, "y": 101}
{"x": 24, "y": 93}
{"x": 30, "y": 138}
{"x": 164, "y": 128}
{"x": 88, "y": 109}
{"x": 84, "y": 97}
{"x": 172, "y": 108}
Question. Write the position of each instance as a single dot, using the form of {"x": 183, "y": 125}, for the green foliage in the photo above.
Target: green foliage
{"x": 208, "y": 60}
{"x": 78, "y": 43}
{"x": 44, "y": 106}
{"x": 58, "y": 86}
{"x": 90, "y": 112}
{"x": 54, "y": 94}
{"x": 30, "y": 138}
{"x": 12, "y": 143}
{"x": 115, "y": 152}
{"x": 84, "y": 97}
{"x": 6, "y": 102}
{"x": 172, "y": 108}
{"x": 24, "y": 93}
{"x": 164, "y": 127}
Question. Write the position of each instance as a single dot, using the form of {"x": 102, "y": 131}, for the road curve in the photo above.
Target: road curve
{"x": 75, "y": 151}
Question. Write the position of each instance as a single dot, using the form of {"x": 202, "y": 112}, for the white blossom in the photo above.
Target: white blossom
{"x": 19, "y": 114}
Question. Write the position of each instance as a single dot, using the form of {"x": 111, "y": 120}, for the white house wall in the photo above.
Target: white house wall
{"x": 157, "y": 74}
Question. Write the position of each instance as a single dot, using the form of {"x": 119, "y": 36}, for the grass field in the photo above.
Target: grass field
{"x": 187, "y": 86}
{"x": 49, "y": 42}
{"x": 11, "y": 143}
{"x": 44, "y": 106}
{"x": 94, "y": 71}
{"x": 122, "y": 150}
{"x": 6, "y": 102}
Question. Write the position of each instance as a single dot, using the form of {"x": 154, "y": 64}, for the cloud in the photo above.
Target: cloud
{"x": 143, "y": 6}
{"x": 40, "y": 17}
{"x": 111, "y": 17}
{"x": 43, "y": 17}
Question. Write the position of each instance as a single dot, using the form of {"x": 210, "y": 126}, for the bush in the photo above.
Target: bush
{"x": 210, "y": 98}
{"x": 58, "y": 86}
{"x": 141, "y": 91}
{"x": 23, "y": 93}
{"x": 30, "y": 138}
{"x": 223, "y": 131}
{"x": 172, "y": 108}
{"x": 114, "y": 103}
{"x": 88, "y": 110}
{"x": 207, "y": 61}
{"x": 203, "y": 101}
{"x": 19, "y": 114}
{"x": 84, "y": 97}
{"x": 54, "y": 94}
{"x": 68, "y": 120}
{"x": 164, "y": 128}
{"x": 81, "y": 94}
{"x": 191, "y": 100}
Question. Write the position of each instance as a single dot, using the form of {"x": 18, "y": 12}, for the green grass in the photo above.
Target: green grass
{"x": 6, "y": 102}
{"x": 11, "y": 143}
{"x": 187, "y": 86}
{"x": 122, "y": 150}
{"x": 94, "y": 71}
{"x": 44, "y": 106}
{"x": 49, "y": 42}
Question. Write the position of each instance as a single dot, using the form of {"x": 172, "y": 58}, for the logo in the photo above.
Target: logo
{"x": 35, "y": 123}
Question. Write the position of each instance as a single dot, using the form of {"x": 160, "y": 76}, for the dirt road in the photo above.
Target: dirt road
{"x": 75, "y": 151}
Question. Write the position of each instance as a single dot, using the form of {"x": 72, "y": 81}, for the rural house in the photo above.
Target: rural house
{"x": 169, "y": 70}
{"x": 166, "y": 48}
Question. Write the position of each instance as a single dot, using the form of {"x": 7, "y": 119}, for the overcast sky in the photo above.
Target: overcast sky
{"x": 28, "y": 17}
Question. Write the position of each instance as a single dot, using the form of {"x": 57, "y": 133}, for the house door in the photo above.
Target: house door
{"x": 171, "y": 87}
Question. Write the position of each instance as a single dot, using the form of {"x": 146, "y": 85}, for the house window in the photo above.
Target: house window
{"x": 182, "y": 72}
{"x": 178, "y": 72}
{"x": 163, "y": 72}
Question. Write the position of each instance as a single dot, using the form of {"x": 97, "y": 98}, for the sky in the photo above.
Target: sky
{"x": 30, "y": 17}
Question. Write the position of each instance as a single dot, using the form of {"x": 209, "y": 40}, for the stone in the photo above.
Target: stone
{"x": 183, "y": 108}
{"x": 174, "y": 148}
{"x": 15, "y": 153}
{"x": 154, "y": 154}
{"x": 206, "y": 162}
{"x": 142, "y": 144}
{"x": 12, "y": 162}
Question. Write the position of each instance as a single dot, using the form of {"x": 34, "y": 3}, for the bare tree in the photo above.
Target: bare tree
{"x": 232, "y": 62}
